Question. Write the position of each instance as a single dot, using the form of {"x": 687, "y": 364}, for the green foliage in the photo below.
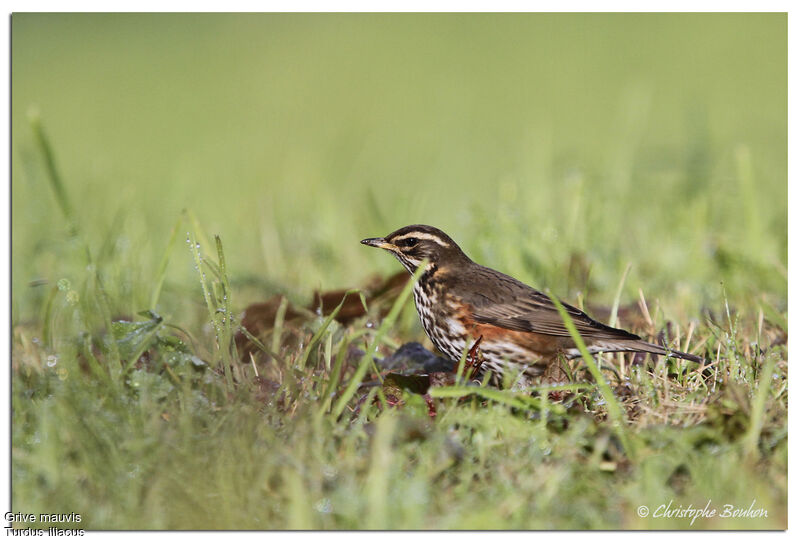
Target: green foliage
{"x": 632, "y": 161}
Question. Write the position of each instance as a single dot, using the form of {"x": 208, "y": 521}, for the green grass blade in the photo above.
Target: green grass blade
{"x": 775, "y": 317}
{"x": 199, "y": 234}
{"x": 327, "y": 322}
{"x": 228, "y": 346}
{"x": 105, "y": 310}
{"x": 53, "y": 175}
{"x": 194, "y": 247}
{"x": 212, "y": 307}
{"x": 615, "y": 411}
{"x": 47, "y": 321}
{"x": 612, "y": 320}
{"x": 277, "y": 328}
{"x": 336, "y": 370}
{"x": 512, "y": 399}
{"x": 379, "y": 475}
{"x": 144, "y": 346}
{"x": 759, "y": 408}
{"x": 162, "y": 267}
{"x": 367, "y": 360}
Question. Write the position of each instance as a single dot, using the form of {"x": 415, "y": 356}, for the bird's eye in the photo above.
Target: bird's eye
{"x": 408, "y": 242}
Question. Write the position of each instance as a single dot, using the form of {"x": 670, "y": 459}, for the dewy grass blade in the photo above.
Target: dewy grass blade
{"x": 211, "y": 305}
{"x": 366, "y": 360}
{"x": 227, "y": 345}
{"x": 614, "y": 409}
{"x": 198, "y": 263}
{"x": 199, "y": 234}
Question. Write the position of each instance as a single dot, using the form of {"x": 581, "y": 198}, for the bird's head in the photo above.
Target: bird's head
{"x": 413, "y": 244}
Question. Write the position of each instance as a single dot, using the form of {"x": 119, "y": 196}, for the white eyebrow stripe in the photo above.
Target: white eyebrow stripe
{"x": 426, "y": 236}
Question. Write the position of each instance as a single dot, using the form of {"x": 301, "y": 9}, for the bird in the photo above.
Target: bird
{"x": 509, "y": 326}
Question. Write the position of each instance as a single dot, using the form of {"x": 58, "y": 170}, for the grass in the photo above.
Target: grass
{"x": 632, "y": 164}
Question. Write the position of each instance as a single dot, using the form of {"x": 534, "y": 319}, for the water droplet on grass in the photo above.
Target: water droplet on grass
{"x": 324, "y": 506}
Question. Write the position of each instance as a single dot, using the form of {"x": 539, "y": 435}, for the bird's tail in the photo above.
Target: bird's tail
{"x": 641, "y": 346}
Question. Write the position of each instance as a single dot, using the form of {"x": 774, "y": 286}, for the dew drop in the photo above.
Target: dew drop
{"x": 329, "y": 472}
{"x": 324, "y": 506}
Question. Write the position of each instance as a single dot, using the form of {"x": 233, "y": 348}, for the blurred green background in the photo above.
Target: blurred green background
{"x": 533, "y": 139}
{"x": 559, "y": 148}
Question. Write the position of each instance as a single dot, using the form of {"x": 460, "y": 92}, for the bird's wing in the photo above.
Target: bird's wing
{"x": 518, "y": 307}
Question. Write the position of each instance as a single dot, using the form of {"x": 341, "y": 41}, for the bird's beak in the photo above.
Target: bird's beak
{"x": 378, "y": 242}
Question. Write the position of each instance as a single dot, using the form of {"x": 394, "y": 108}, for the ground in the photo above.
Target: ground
{"x": 188, "y": 197}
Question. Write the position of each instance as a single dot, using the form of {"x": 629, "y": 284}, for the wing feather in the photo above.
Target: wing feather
{"x": 518, "y": 307}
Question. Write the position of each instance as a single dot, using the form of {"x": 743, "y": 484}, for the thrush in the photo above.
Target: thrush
{"x": 517, "y": 328}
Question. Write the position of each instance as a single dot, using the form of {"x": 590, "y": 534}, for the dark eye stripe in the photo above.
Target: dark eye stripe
{"x": 407, "y": 242}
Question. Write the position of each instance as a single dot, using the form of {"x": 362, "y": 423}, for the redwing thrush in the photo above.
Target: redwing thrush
{"x": 518, "y": 328}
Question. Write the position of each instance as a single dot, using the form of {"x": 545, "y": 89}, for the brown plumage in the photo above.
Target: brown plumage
{"x": 460, "y": 301}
